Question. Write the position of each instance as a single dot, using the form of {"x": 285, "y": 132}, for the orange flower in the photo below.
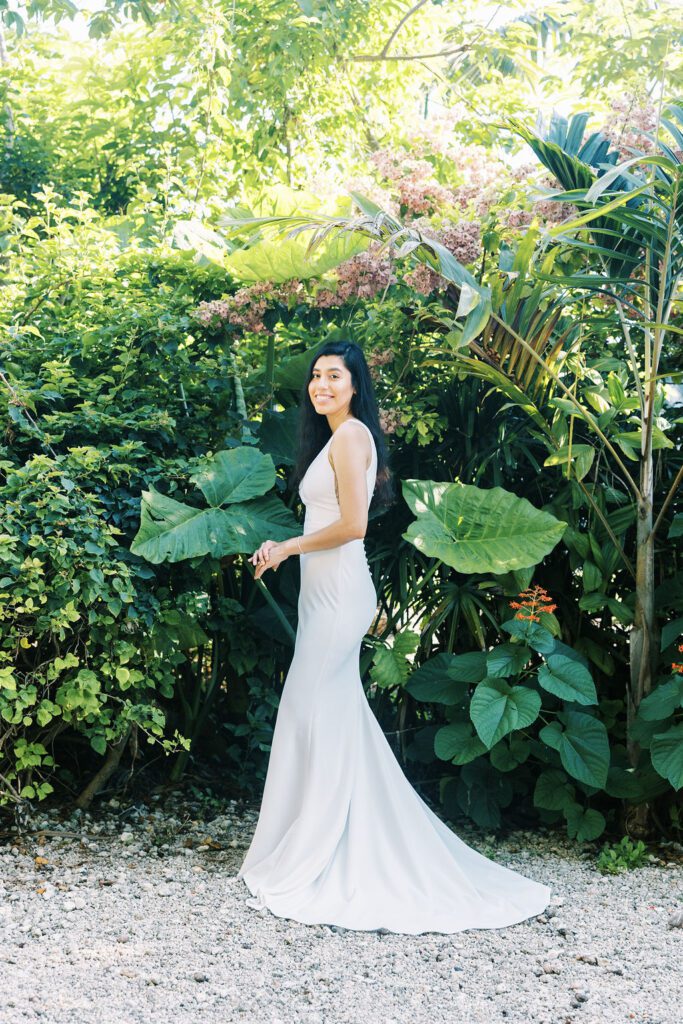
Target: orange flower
{"x": 676, "y": 666}
{"x": 534, "y": 600}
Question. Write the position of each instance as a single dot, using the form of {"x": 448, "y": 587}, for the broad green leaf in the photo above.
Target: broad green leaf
{"x": 478, "y": 530}
{"x": 636, "y": 785}
{"x": 235, "y": 475}
{"x": 482, "y": 791}
{"x": 458, "y": 743}
{"x": 171, "y": 531}
{"x": 592, "y": 602}
{"x": 288, "y": 259}
{"x": 7, "y": 679}
{"x": 582, "y": 744}
{"x": 607, "y": 179}
{"x": 291, "y": 373}
{"x": 620, "y": 611}
{"x": 276, "y": 258}
{"x": 532, "y": 633}
{"x": 600, "y": 211}
{"x": 509, "y": 753}
{"x": 584, "y": 823}
{"x": 567, "y": 679}
{"x": 553, "y": 790}
{"x": 445, "y": 678}
{"x": 469, "y": 298}
{"x": 390, "y": 666}
{"x": 581, "y": 455}
{"x": 670, "y": 632}
{"x": 278, "y": 435}
{"x": 192, "y": 234}
{"x": 663, "y": 701}
{"x": 468, "y": 668}
{"x": 666, "y": 751}
{"x": 592, "y": 577}
{"x": 507, "y": 659}
{"x": 497, "y": 708}
{"x": 476, "y": 320}
{"x": 186, "y": 632}
{"x": 633, "y": 438}
{"x": 99, "y": 744}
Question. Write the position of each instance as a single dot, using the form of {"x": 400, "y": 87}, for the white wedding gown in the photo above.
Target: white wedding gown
{"x": 342, "y": 837}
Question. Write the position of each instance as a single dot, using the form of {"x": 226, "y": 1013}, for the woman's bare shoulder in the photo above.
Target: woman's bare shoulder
{"x": 351, "y": 439}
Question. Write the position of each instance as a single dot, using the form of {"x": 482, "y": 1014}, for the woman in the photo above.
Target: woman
{"x": 342, "y": 837}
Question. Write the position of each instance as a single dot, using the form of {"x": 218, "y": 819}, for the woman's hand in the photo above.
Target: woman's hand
{"x": 268, "y": 556}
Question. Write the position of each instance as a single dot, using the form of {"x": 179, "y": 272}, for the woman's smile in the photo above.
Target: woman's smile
{"x": 330, "y": 371}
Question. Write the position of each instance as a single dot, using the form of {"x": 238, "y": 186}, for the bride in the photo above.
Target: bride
{"x": 342, "y": 837}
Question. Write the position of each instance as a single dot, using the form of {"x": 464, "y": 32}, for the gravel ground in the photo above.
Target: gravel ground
{"x": 133, "y": 913}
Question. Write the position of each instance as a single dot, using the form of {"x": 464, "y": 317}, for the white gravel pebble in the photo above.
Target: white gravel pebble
{"x": 147, "y": 923}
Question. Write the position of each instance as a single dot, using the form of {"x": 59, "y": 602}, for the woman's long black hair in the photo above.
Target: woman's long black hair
{"x": 314, "y": 430}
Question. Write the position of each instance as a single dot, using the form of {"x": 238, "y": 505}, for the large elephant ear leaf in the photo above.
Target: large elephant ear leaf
{"x": 281, "y": 260}
{"x": 278, "y": 435}
{"x": 235, "y": 475}
{"x": 266, "y": 517}
{"x": 479, "y": 530}
{"x": 170, "y": 531}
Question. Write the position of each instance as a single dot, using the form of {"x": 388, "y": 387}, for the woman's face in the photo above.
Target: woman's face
{"x": 331, "y": 387}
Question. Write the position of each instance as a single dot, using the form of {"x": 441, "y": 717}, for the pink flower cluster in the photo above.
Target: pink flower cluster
{"x": 212, "y": 313}
{"x": 380, "y": 357}
{"x": 483, "y": 178}
{"x": 424, "y": 280}
{"x": 246, "y": 307}
{"x": 435, "y": 135}
{"x": 418, "y": 190}
{"x": 363, "y": 276}
{"x": 629, "y": 118}
{"x": 479, "y": 175}
{"x": 519, "y": 217}
{"x": 389, "y": 419}
{"x": 462, "y": 239}
{"x": 377, "y": 358}
{"x": 553, "y": 213}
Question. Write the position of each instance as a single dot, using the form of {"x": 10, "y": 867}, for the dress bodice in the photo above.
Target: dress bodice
{"x": 317, "y": 488}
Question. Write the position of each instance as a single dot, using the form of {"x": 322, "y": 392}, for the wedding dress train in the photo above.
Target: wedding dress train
{"x": 342, "y": 837}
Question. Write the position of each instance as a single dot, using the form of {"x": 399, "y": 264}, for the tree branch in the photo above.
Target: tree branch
{"x": 373, "y": 57}
{"x": 385, "y": 48}
{"x": 667, "y": 501}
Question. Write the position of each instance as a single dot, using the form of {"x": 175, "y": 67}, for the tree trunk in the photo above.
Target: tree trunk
{"x": 643, "y": 639}
{"x": 114, "y": 752}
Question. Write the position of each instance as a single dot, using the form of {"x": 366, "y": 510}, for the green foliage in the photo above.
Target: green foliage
{"x": 615, "y": 858}
{"x": 477, "y": 530}
{"x": 666, "y": 750}
{"x": 506, "y": 364}
{"x": 84, "y": 642}
{"x": 170, "y": 530}
{"x": 503, "y": 707}
{"x": 390, "y": 665}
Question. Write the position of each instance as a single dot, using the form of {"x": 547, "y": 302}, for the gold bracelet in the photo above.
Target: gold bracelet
{"x": 298, "y": 540}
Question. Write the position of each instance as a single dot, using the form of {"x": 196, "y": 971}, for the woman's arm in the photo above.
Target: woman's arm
{"x": 350, "y": 456}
